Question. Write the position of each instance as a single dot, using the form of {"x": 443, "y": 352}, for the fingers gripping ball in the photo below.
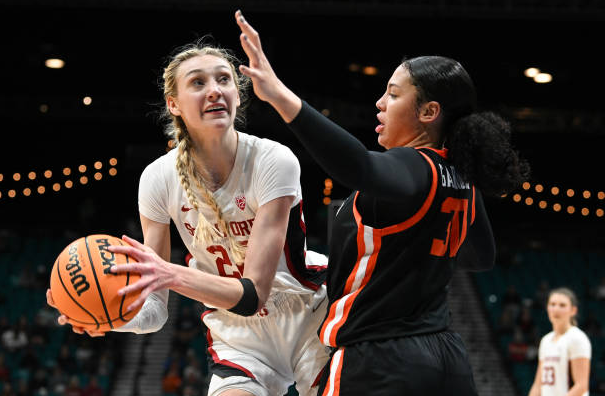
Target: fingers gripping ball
{"x": 84, "y": 289}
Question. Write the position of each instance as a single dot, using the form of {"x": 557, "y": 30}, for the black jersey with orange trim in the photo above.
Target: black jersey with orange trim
{"x": 393, "y": 281}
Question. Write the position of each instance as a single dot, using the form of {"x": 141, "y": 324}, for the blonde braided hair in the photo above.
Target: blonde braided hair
{"x": 205, "y": 232}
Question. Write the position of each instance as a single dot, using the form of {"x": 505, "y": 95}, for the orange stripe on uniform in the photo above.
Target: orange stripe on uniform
{"x": 368, "y": 245}
{"x": 423, "y": 209}
{"x": 332, "y": 387}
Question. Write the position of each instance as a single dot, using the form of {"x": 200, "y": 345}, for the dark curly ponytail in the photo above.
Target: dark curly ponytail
{"x": 478, "y": 144}
{"x": 479, "y": 148}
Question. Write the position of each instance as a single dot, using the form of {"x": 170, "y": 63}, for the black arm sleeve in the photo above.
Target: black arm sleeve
{"x": 396, "y": 174}
{"x": 478, "y": 252}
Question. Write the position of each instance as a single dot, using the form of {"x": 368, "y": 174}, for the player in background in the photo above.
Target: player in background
{"x": 415, "y": 214}
{"x": 564, "y": 353}
{"x": 236, "y": 202}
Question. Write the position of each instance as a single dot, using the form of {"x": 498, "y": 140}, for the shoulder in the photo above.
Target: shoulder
{"x": 268, "y": 152}
{"x": 161, "y": 168}
{"x": 547, "y": 337}
{"x": 577, "y": 335}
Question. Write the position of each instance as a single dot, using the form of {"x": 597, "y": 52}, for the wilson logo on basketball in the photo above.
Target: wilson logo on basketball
{"x": 73, "y": 267}
{"x": 240, "y": 201}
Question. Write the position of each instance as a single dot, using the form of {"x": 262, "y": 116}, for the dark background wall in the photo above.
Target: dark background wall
{"x": 115, "y": 52}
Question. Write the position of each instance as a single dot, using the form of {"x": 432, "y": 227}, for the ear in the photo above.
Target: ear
{"x": 430, "y": 111}
{"x": 239, "y": 100}
{"x": 173, "y": 106}
{"x": 574, "y": 311}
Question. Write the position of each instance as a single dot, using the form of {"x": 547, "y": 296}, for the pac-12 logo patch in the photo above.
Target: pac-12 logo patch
{"x": 240, "y": 201}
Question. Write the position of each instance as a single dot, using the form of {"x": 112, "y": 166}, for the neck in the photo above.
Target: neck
{"x": 214, "y": 157}
{"x": 423, "y": 139}
{"x": 562, "y": 328}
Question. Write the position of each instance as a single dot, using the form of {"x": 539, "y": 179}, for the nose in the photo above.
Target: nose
{"x": 213, "y": 93}
{"x": 380, "y": 103}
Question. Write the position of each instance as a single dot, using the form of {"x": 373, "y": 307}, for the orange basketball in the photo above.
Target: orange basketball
{"x": 86, "y": 291}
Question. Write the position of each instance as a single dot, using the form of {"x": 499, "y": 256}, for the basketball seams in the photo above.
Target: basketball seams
{"x": 94, "y": 273}
{"x": 58, "y": 266}
{"x": 106, "y": 309}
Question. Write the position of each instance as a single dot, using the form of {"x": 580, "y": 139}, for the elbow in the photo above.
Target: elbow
{"x": 251, "y": 300}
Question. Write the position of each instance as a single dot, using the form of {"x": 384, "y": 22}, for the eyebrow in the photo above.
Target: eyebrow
{"x": 393, "y": 85}
{"x": 195, "y": 71}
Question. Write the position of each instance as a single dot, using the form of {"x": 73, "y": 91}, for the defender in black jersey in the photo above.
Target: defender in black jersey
{"x": 416, "y": 213}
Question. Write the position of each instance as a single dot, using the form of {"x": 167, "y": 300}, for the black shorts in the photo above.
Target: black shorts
{"x": 430, "y": 364}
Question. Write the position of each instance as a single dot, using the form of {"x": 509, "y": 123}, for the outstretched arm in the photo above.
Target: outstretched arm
{"x": 390, "y": 175}
{"x": 266, "y": 242}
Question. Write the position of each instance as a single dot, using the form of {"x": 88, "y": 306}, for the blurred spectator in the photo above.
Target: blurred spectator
{"x": 39, "y": 379}
{"x": 517, "y": 348}
{"x": 511, "y": 300}
{"x": 83, "y": 354}
{"x": 7, "y": 390}
{"x": 192, "y": 373}
{"x": 23, "y": 388}
{"x": 93, "y": 388}
{"x": 58, "y": 380}
{"x": 5, "y": 374}
{"x": 172, "y": 381}
{"x": 38, "y": 332}
{"x": 526, "y": 324}
{"x": 47, "y": 317}
{"x": 188, "y": 326}
{"x": 73, "y": 387}
{"x": 65, "y": 360}
{"x": 29, "y": 360}
{"x": 175, "y": 358}
{"x": 506, "y": 324}
{"x": 541, "y": 295}
{"x": 14, "y": 338}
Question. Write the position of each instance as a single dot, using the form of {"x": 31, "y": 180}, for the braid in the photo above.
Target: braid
{"x": 175, "y": 128}
{"x": 236, "y": 248}
{"x": 205, "y": 231}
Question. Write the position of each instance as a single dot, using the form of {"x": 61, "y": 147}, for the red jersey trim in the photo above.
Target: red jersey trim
{"x": 224, "y": 362}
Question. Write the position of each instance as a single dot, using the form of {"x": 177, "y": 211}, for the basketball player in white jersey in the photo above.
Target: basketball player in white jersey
{"x": 564, "y": 353}
{"x": 236, "y": 202}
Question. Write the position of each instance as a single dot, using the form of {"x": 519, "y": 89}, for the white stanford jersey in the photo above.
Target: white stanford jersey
{"x": 556, "y": 355}
{"x": 263, "y": 170}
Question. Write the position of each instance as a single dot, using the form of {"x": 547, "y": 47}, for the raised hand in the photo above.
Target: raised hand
{"x": 267, "y": 86}
{"x": 156, "y": 273}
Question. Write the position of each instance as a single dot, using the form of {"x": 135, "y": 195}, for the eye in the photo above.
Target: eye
{"x": 224, "y": 79}
{"x": 197, "y": 82}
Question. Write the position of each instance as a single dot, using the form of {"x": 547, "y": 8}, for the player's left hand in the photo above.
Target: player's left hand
{"x": 156, "y": 273}
{"x": 266, "y": 85}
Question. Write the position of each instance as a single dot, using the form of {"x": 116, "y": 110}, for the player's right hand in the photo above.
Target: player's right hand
{"x": 63, "y": 320}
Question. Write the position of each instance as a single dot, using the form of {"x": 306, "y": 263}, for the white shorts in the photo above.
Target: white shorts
{"x": 266, "y": 353}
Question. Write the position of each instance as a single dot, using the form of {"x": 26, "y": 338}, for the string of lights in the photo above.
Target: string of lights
{"x": 25, "y": 184}
{"x": 585, "y": 203}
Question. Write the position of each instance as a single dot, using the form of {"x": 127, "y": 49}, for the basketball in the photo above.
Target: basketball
{"x": 84, "y": 289}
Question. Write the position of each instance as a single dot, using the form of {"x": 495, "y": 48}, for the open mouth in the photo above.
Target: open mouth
{"x": 215, "y": 109}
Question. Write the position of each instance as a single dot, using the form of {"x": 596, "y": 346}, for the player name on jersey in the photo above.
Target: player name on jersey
{"x": 451, "y": 178}
{"x": 238, "y": 228}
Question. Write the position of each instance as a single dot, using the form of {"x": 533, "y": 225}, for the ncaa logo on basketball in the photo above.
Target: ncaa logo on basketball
{"x": 240, "y": 201}
{"x": 73, "y": 267}
{"x": 109, "y": 259}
